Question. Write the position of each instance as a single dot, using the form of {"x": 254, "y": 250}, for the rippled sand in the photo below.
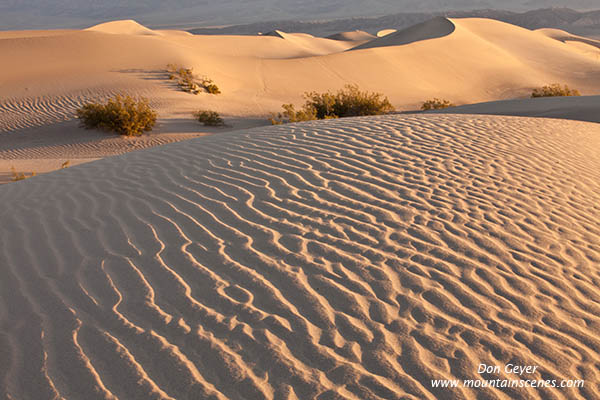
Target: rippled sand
{"x": 345, "y": 259}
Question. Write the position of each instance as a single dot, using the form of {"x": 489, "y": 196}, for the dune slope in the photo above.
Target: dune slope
{"x": 347, "y": 259}
{"x": 580, "y": 108}
{"x": 435, "y": 28}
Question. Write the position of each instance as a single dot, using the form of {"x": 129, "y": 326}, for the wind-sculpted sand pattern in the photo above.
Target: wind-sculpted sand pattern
{"x": 346, "y": 259}
{"x": 28, "y": 112}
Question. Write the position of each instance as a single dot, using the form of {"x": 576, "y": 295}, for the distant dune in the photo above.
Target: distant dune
{"x": 127, "y": 27}
{"x": 432, "y": 29}
{"x": 385, "y": 32}
{"x": 352, "y": 36}
{"x": 586, "y": 23}
{"x": 346, "y": 259}
{"x": 45, "y": 77}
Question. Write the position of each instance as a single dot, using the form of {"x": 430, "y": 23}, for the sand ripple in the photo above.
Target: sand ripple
{"x": 32, "y": 111}
{"x": 354, "y": 259}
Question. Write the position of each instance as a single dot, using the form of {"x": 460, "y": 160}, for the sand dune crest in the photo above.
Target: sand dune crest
{"x": 124, "y": 27}
{"x": 434, "y": 28}
{"x": 385, "y": 32}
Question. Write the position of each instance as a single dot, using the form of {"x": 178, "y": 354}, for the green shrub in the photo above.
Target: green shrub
{"x": 554, "y": 90}
{"x": 187, "y": 81}
{"x": 209, "y": 118}
{"x": 436, "y": 104}
{"x": 123, "y": 115}
{"x": 348, "y": 102}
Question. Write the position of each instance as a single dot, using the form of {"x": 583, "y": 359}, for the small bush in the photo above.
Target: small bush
{"x": 123, "y": 115}
{"x": 187, "y": 81}
{"x": 348, "y": 102}
{"x": 554, "y": 90}
{"x": 209, "y": 118}
{"x": 19, "y": 176}
{"x": 290, "y": 114}
{"x": 436, "y": 104}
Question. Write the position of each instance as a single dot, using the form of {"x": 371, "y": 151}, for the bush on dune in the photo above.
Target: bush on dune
{"x": 436, "y": 104}
{"x": 348, "y": 102}
{"x": 554, "y": 90}
{"x": 209, "y": 118}
{"x": 123, "y": 115}
{"x": 187, "y": 81}
{"x": 19, "y": 176}
{"x": 290, "y": 114}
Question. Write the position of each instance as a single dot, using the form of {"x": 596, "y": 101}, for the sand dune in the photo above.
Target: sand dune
{"x": 385, "y": 32}
{"x": 46, "y": 77}
{"x": 353, "y": 36}
{"x": 125, "y": 27}
{"x": 346, "y": 259}
{"x": 434, "y": 28}
{"x": 563, "y": 36}
{"x": 581, "y": 108}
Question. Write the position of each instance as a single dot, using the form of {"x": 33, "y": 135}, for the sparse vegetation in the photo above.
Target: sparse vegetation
{"x": 209, "y": 118}
{"x": 123, "y": 115}
{"x": 554, "y": 90}
{"x": 188, "y": 82}
{"x": 290, "y": 114}
{"x": 347, "y": 102}
{"x": 19, "y": 176}
{"x": 436, "y": 104}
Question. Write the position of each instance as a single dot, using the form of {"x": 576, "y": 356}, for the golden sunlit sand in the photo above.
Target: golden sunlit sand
{"x": 358, "y": 258}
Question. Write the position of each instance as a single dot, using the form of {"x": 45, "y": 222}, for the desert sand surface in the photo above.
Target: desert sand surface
{"x": 345, "y": 259}
{"x": 581, "y": 108}
{"x": 47, "y": 75}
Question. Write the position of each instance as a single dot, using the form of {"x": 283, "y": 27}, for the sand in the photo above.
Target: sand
{"x": 581, "y": 108}
{"x": 432, "y": 29}
{"x": 352, "y": 36}
{"x": 347, "y": 259}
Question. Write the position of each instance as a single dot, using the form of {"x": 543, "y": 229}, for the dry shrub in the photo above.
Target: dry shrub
{"x": 123, "y": 115}
{"x": 554, "y": 90}
{"x": 187, "y": 81}
{"x": 209, "y": 118}
{"x": 436, "y": 104}
{"x": 347, "y": 102}
{"x": 19, "y": 176}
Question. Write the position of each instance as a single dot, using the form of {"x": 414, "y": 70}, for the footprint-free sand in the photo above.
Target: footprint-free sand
{"x": 349, "y": 259}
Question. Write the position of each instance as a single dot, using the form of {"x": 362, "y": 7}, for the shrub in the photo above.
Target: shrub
{"x": 19, "y": 176}
{"x": 290, "y": 114}
{"x": 348, "y": 102}
{"x": 436, "y": 104}
{"x": 554, "y": 90}
{"x": 209, "y": 118}
{"x": 210, "y": 86}
{"x": 187, "y": 81}
{"x": 123, "y": 115}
